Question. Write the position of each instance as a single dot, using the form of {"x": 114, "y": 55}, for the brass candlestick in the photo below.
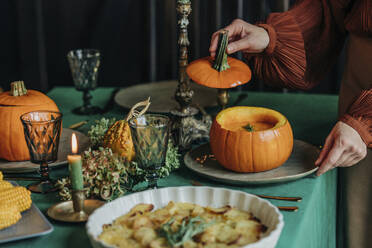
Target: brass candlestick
{"x": 77, "y": 210}
{"x": 222, "y": 97}
{"x": 184, "y": 93}
{"x": 186, "y": 127}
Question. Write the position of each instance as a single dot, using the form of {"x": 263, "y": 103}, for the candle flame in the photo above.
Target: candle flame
{"x": 74, "y": 144}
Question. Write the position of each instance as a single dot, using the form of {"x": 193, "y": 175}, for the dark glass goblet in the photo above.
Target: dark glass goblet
{"x": 42, "y": 131}
{"x": 84, "y": 65}
{"x": 150, "y": 134}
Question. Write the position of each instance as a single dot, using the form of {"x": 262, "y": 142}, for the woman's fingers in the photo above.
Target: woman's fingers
{"x": 326, "y": 148}
{"x": 351, "y": 157}
{"x": 343, "y": 147}
{"x": 243, "y": 36}
{"x": 351, "y": 160}
{"x": 235, "y": 29}
{"x": 331, "y": 159}
{"x": 238, "y": 45}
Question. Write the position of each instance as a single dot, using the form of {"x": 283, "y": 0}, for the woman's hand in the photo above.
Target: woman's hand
{"x": 242, "y": 37}
{"x": 343, "y": 147}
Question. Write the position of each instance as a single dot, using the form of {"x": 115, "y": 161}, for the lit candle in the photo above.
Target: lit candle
{"x": 75, "y": 165}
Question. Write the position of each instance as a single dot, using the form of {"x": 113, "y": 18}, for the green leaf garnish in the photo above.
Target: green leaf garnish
{"x": 188, "y": 229}
{"x": 249, "y": 128}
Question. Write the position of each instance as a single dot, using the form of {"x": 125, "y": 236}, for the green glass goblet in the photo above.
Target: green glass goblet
{"x": 84, "y": 65}
{"x": 150, "y": 133}
{"x": 42, "y": 132}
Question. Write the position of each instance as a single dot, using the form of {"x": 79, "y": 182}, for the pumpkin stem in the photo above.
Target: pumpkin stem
{"x": 135, "y": 113}
{"x": 220, "y": 62}
{"x": 18, "y": 88}
{"x": 249, "y": 128}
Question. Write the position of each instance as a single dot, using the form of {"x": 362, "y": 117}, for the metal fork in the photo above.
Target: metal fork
{"x": 282, "y": 208}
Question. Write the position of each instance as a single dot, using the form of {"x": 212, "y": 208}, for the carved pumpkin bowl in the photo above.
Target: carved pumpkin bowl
{"x": 251, "y": 139}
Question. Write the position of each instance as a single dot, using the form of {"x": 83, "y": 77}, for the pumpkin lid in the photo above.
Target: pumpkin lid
{"x": 222, "y": 73}
{"x": 202, "y": 72}
{"x": 20, "y": 96}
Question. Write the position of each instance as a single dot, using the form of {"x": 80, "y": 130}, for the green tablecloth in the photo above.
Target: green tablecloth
{"x": 311, "y": 117}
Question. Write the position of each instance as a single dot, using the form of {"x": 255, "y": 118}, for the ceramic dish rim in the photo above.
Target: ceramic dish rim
{"x": 275, "y": 232}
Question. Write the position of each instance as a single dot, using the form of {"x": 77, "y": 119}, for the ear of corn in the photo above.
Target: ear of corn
{"x": 18, "y": 196}
{"x": 9, "y": 215}
{"x": 13, "y": 201}
{"x": 5, "y": 185}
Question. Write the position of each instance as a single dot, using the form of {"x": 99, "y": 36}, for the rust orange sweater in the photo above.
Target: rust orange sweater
{"x": 304, "y": 43}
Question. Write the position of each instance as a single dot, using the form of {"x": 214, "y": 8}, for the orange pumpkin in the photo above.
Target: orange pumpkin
{"x": 251, "y": 139}
{"x": 223, "y": 72}
{"x": 13, "y": 104}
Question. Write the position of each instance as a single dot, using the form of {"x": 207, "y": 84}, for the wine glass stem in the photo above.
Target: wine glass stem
{"x": 152, "y": 184}
{"x": 44, "y": 171}
{"x": 87, "y": 97}
{"x": 152, "y": 178}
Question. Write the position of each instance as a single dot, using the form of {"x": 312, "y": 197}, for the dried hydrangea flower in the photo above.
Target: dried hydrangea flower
{"x": 108, "y": 176}
{"x": 98, "y": 130}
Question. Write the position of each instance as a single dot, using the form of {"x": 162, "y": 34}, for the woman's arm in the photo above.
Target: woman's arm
{"x": 304, "y": 43}
{"x": 348, "y": 141}
{"x": 298, "y": 47}
{"x": 359, "y": 116}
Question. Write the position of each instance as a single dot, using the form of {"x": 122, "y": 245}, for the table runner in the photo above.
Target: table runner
{"x": 311, "y": 116}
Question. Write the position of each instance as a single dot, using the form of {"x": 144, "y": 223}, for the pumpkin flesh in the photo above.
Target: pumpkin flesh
{"x": 267, "y": 147}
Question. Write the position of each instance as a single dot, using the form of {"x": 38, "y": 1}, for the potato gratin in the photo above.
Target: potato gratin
{"x": 184, "y": 225}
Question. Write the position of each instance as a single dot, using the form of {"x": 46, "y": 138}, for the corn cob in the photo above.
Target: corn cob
{"x": 1, "y": 176}
{"x": 18, "y": 196}
{"x": 5, "y": 185}
{"x": 9, "y": 215}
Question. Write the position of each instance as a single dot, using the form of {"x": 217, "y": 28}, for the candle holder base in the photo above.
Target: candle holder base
{"x": 42, "y": 187}
{"x": 64, "y": 211}
{"x": 186, "y": 128}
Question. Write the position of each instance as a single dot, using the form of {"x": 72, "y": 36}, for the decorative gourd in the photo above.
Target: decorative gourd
{"x": 13, "y": 104}
{"x": 251, "y": 139}
{"x": 118, "y": 136}
{"x": 223, "y": 72}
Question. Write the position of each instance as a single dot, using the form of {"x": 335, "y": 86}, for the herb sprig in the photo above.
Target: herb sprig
{"x": 186, "y": 231}
{"x": 249, "y": 127}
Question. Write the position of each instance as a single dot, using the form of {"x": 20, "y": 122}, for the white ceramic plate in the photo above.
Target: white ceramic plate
{"x": 162, "y": 95}
{"x": 205, "y": 196}
{"x": 63, "y": 150}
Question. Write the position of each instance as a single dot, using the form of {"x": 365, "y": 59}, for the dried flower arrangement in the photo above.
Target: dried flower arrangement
{"x": 107, "y": 175}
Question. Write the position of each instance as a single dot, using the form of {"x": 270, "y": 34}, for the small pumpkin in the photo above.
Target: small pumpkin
{"x": 118, "y": 136}
{"x": 223, "y": 72}
{"x": 13, "y": 104}
{"x": 251, "y": 139}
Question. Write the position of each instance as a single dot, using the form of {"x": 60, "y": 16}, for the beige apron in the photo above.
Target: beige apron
{"x": 355, "y": 215}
